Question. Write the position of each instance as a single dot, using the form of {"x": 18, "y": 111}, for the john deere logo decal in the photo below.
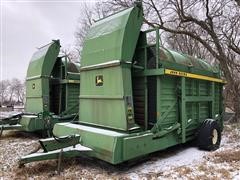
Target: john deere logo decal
{"x": 99, "y": 80}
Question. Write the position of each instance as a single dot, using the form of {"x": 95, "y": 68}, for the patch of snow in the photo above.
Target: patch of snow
{"x": 133, "y": 176}
{"x": 184, "y": 157}
{"x": 237, "y": 176}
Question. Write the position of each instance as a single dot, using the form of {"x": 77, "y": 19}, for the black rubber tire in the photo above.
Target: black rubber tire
{"x": 206, "y": 138}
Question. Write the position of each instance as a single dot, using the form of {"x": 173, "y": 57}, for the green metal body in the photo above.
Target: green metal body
{"x": 52, "y": 91}
{"x": 137, "y": 98}
{"x": 49, "y": 82}
{"x": 52, "y": 87}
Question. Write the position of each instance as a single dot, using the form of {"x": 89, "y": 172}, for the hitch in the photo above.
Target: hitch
{"x": 54, "y": 143}
{"x": 10, "y": 122}
{"x": 1, "y": 130}
{"x": 57, "y": 148}
{"x": 12, "y": 119}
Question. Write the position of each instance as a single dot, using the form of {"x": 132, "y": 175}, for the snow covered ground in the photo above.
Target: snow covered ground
{"x": 179, "y": 162}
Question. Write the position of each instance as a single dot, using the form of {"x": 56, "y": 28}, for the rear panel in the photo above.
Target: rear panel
{"x": 72, "y": 97}
{"x": 202, "y": 98}
{"x": 139, "y": 100}
{"x": 168, "y": 100}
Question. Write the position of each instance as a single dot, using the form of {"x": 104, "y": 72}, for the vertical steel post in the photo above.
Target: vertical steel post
{"x": 158, "y": 97}
{"x": 158, "y": 77}
{"x": 213, "y": 98}
{"x": 59, "y": 162}
{"x": 146, "y": 92}
{"x": 198, "y": 94}
{"x": 221, "y": 104}
{"x": 60, "y": 88}
{"x": 66, "y": 84}
{"x": 65, "y": 66}
{"x": 157, "y": 47}
{"x": 183, "y": 109}
{"x": 192, "y": 94}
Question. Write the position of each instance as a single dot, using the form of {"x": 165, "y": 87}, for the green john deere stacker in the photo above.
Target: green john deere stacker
{"x": 137, "y": 98}
{"x": 52, "y": 90}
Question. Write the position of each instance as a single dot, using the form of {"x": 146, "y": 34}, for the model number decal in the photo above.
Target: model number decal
{"x": 178, "y": 73}
{"x": 194, "y": 76}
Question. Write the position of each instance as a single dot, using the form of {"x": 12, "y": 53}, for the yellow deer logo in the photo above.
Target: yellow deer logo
{"x": 99, "y": 80}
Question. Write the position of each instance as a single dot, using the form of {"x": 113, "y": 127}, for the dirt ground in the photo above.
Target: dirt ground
{"x": 179, "y": 162}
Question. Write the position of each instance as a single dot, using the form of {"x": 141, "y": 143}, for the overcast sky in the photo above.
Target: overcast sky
{"x": 26, "y": 25}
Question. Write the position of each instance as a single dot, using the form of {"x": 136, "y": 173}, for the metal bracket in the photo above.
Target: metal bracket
{"x": 11, "y": 120}
{"x": 167, "y": 130}
{"x": 155, "y": 128}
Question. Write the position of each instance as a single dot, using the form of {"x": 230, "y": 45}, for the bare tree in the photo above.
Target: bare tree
{"x": 19, "y": 90}
{"x": 4, "y": 85}
{"x": 12, "y": 92}
{"x": 238, "y": 2}
{"x": 12, "y": 89}
{"x": 187, "y": 45}
{"x": 15, "y": 91}
{"x": 72, "y": 53}
{"x": 84, "y": 22}
{"x": 88, "y": 16}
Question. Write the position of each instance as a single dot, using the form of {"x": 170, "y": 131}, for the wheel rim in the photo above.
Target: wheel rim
{"x": 214, "y": 136}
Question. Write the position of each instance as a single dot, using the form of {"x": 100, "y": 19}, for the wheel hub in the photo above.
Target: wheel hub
{"x": 214, "y": 136}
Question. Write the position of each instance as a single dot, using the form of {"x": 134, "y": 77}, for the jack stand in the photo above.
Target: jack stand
{"x": 1, "y": 131}
{"x": 59, "y": 162}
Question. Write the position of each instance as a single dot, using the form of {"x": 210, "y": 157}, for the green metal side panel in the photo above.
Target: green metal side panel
{"x": 39, "y": 66}
{"x": 139, "y": 145}
{"x": 115, "y": 147}
{"x": 38, "y": 74}
{"x": 168, "y": 96}
{"x": 201, "y": 101}
{"x": 103, "y": 105}
{"x": 105, "y": 143}
{"x": 217, "y": 99}
{"x": 186, "y": 60}
{"x": 112, "y": 38}
{"x": 110, "y": 41}
{"x": 31, "y": 123}
{"x": 37, "y": 97}
{"x": 72, "y": 97}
